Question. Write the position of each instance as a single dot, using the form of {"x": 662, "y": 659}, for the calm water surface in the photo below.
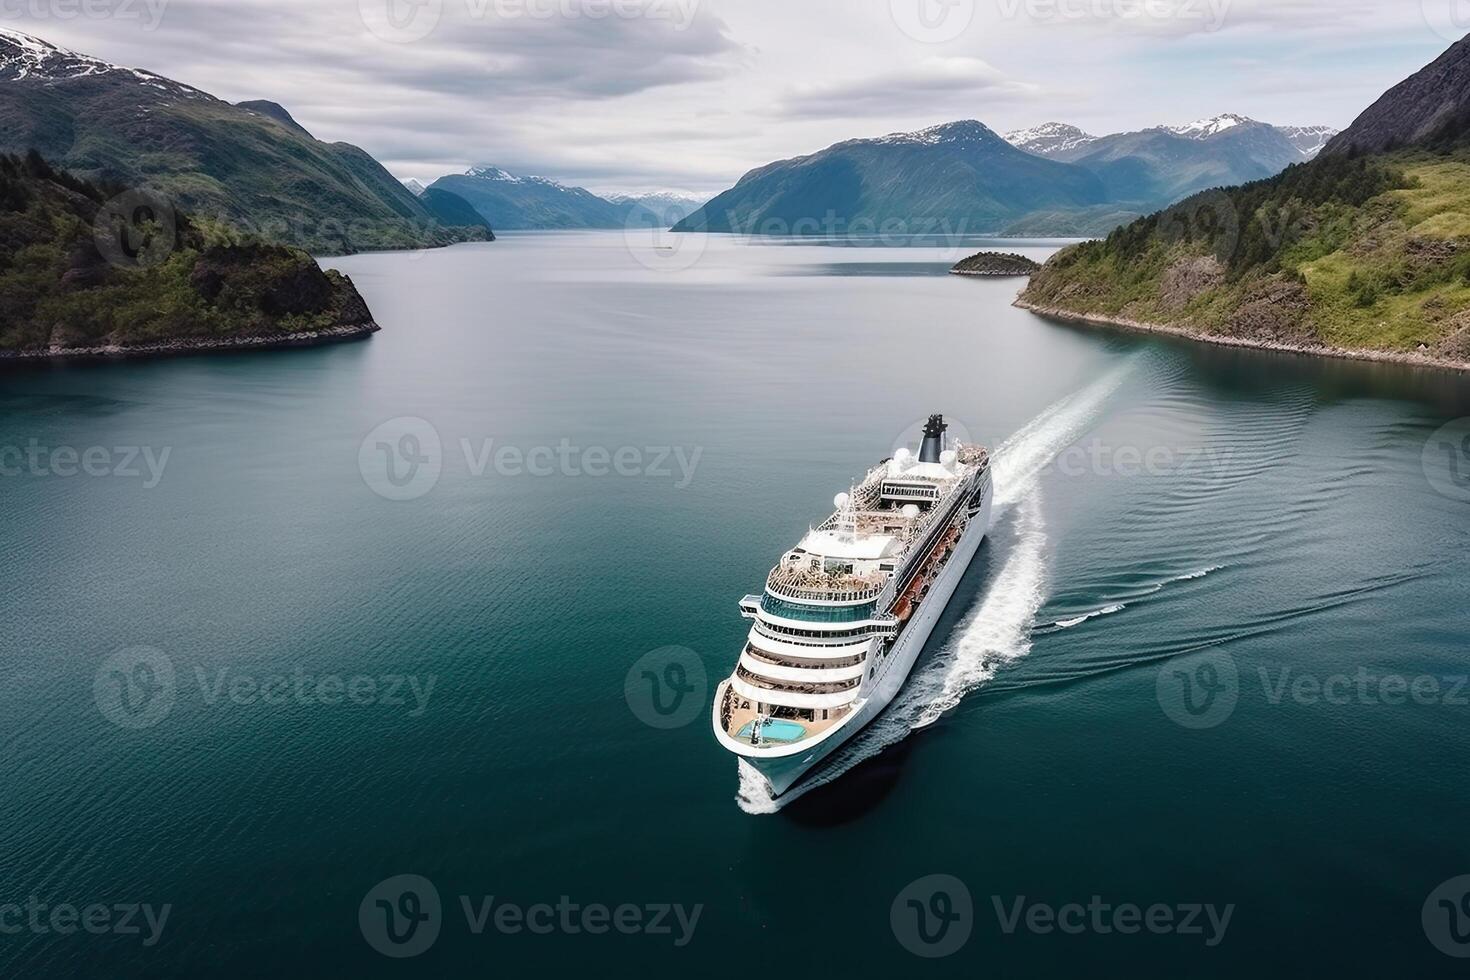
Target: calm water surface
{"x": 1114, "y": 706}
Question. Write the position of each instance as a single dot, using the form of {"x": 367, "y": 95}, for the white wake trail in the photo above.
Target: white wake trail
{"x": 998, "y": 629}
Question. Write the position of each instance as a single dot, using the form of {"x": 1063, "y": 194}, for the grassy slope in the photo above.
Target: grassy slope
{"x": 1374, "y": 262}
{"x": 56, "y": 287}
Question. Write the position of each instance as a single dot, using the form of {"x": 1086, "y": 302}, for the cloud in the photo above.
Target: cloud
{"x": 931, "y": 85}
{"x": 693, "y": 93}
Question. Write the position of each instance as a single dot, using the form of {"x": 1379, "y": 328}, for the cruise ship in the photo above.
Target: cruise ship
{"x": 846, "y": 612}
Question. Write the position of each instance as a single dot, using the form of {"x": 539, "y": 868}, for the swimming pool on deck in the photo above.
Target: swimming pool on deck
{"x": 774, "y": 731}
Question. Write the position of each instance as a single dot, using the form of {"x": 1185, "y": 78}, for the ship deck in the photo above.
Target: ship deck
{"x": 737, "y": 718}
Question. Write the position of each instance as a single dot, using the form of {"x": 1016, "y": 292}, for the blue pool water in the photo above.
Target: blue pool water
{"x": 775, "y": 731}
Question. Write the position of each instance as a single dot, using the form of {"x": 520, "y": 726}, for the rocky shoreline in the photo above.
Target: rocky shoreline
{"x": 192, "y": 345}
{"x": 1351, "y": 354}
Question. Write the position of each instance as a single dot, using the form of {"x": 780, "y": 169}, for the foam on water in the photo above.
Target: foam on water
{"x": 998, "y": 629}
{"x": 1066, "y": 624}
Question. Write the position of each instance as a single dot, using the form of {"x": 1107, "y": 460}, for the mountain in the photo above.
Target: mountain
{"x": 451, "y": 210}
{"x": 518, "y": 203}
{"x": 525, "y": 203}
{"x": 655, "y": 210}
{"x": 1308, "y": 140}
{"x": 1432, "y": 106}
{"x": 1363, "y": 250}
{"x": 275, "y": 111}
{"x": 1155, "y": 167}
{"x": 415, "y": 187}
{"x": 250, "y": 166}
{"x": 79, "y": 272}
{"x": 956, "y": 178}
{"x": 1049, "y": 138}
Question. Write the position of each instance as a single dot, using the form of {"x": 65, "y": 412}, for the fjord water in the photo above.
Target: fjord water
{"x": 1166, "y": 514}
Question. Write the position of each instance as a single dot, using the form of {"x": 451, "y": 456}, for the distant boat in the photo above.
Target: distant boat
{"x": 846, "y": 612}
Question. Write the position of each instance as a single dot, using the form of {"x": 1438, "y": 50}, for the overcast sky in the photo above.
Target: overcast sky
{"x": 690, "y": 94}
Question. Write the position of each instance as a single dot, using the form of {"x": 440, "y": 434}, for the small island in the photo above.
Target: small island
{"x": 995, "y": 264}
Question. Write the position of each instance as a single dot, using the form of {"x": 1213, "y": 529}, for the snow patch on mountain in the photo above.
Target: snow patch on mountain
{"x": 964, "y": 131}
{"x": 27, "y": 58}
{"x": 1202, "y": 129}
{"x": 1308, "y": 140}
{"x": 1048, "y": 138}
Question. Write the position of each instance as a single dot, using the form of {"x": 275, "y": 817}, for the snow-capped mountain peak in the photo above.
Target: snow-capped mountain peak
{"x": 1048, "y": 138}
{"x": 1309, "y": 140}
{"x": 1205, "y": 128}
{"x": 486, "y": 172}
{"x": 414, "y": 186}
{"x": 963, "y": 131}
{"x": 27, "y": 58}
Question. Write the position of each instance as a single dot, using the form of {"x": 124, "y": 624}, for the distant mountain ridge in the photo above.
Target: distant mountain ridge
{"x": 1053, "y": 179}
{"x": 512, "y": 202}
{"x": 251, "y": 166}
{"x": 955, "y": 178}
{"x": 1054, "y": 138}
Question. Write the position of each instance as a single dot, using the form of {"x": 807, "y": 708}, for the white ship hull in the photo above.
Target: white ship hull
{"x": 784, "y": 772}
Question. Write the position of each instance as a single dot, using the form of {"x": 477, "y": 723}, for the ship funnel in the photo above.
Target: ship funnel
{"x": 933, "y": 445}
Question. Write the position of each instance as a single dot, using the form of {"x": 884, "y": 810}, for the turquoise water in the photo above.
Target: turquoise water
{"x": 501, "y": 683}
{"x": 774, "y": 731}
